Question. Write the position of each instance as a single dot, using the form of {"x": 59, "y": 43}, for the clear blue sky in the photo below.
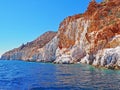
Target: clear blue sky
{"x": 22, "y": 21}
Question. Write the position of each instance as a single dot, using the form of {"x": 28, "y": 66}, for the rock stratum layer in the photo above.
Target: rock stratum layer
{"x": 92, "y": 38}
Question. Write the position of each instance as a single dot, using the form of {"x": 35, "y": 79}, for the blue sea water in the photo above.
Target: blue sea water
{"x": 20, "y": 75}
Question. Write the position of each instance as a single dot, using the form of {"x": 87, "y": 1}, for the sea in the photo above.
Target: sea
{"x": 21, "y": 75}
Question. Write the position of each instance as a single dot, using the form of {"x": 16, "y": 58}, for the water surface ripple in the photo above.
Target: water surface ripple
{"x": 19, "y": 75}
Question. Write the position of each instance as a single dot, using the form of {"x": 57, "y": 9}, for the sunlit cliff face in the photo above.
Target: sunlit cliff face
{"x": 91, "y": 38}
{"x": 83, "y": 37}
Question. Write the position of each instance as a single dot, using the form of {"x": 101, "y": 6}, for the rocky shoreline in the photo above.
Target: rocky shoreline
{"x": 90, "y": 38}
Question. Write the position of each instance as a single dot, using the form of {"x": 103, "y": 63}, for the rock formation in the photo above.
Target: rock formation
{"x": 28, "y": 51}
{"x": 92, "y": 38}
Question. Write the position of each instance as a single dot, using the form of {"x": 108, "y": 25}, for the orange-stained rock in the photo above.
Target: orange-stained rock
{"x": 97, "y": 30}
{"x": 92, "y": 38}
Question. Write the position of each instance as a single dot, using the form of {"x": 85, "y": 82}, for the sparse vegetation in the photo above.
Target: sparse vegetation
{"x": 111, "y": 22}
{"x": 100, "y": 27}
{"x": 118, "y": 15}
{"x": 105, "y": 1}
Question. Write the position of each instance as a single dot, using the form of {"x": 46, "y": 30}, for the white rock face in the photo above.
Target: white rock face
{"x": 50, "y": 50}
{"x": 88, "y": 59}
{"x": 47, "y": 53}
{"x": 105, "y": 58}
{"x": 80, "y": 51}
{"x": 64, "y": 59}
{"x": 112, "y": 55}
{"x": 85, "y": 25}
{"x": 77, "y": 51}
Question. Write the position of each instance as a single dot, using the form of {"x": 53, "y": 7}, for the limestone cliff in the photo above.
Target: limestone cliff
{"x": 28, "y": 51}
{"x": 91, "y": 38}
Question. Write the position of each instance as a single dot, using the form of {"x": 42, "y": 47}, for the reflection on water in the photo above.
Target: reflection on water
{"x": 18, "y": 75}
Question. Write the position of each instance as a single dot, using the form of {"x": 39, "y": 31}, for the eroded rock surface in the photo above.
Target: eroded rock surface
{"x": 89, "y": 38}
{"x": 92, "y": 38}
{"x": 28, "y": 51}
